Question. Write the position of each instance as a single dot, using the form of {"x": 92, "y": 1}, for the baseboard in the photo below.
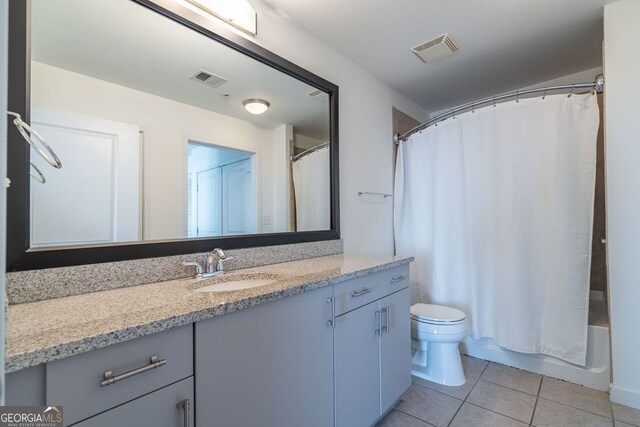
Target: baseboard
{"x": 625, "y": 397}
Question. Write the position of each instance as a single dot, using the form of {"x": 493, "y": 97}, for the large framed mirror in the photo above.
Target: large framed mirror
{"x": 175, "y": 136}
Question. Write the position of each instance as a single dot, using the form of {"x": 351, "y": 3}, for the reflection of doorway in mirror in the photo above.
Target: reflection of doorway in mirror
{"x": 95, "y": 197}
{"x": 220, "y": 186}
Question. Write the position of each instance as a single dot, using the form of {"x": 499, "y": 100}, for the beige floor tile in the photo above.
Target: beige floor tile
{"x": 516, "y": 379}
{"x": 505, "y": 401}
{"x": 473, "y": 368}
{"x": 428, "y": 405}
{"x": 577, "y": 396}
{"x": 552, "y": 414}
{"x": 473, "y": 416}
{"x": 626, "y": 414}
{"x": 399, "y": 419}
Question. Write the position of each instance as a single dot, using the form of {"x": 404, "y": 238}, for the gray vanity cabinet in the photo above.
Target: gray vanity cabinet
{"x": 334, "y": 356}
{"x": 372, "y": 350}
{"x": 171, "y": 406}
{"x": 269, "y": 365}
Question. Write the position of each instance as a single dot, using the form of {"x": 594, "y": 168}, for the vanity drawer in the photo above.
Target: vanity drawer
{"x": 396, "y": 278}
{"x": 355, "y": 293}
{"x": 75, "y": 382}
{"x": 171, "y": 406}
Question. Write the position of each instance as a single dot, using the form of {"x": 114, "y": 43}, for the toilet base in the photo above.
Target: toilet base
{"x": 444, "y": 365}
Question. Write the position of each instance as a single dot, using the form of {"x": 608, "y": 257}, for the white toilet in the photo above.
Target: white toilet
{"x": 436, "y": 331}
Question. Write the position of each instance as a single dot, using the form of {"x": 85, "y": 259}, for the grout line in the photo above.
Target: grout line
{"x": 535, "y": 405}
{"x": 470, "y": 390}
{"x": 613, "y": 418}
{"x": 571, "y": 406}
{"x": 476, "y": 383}
{"x": 497, "y": 413}
{"x": 413, "y": 416}
{"x": 439, "y": 392}
{"x": 511, "y": 388}
{"x": 575, "y": 407}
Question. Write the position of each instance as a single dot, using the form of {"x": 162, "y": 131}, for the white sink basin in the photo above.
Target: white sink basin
{"x": 235, "y": 285}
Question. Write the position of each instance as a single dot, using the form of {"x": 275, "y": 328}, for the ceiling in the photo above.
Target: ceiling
{"x": 127, "y": 44}
{"x": 504, "y": 44}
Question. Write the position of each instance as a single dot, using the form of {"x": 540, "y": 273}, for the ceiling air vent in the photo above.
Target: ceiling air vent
{"x": 319, "y": 95}
{"x": 436, "y": 49}
{"x": 208, "y": 78}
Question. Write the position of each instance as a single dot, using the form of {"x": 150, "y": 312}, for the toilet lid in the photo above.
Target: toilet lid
{"x": 432, "y": 313}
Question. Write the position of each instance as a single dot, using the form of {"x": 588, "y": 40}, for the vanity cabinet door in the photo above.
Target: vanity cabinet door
{"x": 395, "y": 348}
{"x": 269, "y": 365}
{"x": 162, "y": 408}
{"x": 357, "y": 372}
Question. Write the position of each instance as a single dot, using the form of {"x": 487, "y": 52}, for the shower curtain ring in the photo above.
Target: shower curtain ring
{"x": 544, "y": 94}
{"x": 573, "y": 86}
{"x": 453, "y": 114}
{"x": 473, "y": 108}
{"x": 518, "y": 96}
{"x": 494, "y": 101}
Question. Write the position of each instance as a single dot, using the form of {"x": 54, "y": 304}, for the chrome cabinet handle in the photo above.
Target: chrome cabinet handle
{"x": 360, "y": 292}
{"x": 376, "y": 314}
{"x": 109, "y": 378}
{"x": 185, "y": 405}
{"x": 331, "y": 300}
{"x": 387, "y": 323}
{"x": 397, "y": 279}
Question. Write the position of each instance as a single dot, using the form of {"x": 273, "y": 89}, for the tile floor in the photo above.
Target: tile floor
{"x": 500, "y": 396}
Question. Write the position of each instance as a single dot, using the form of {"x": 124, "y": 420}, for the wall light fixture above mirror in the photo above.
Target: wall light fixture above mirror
{"x": 238, "y": 13}
{"x": 175, "y": 138}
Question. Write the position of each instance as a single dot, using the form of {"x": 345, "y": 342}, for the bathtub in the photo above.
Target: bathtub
{"x": 596, "y": 373}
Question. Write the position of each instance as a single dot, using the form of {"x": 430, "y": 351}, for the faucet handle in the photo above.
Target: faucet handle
{"x": 220, "y": 265}
{"x": 196, "y": 264}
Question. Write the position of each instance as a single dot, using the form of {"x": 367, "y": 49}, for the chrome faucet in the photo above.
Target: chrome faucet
{"x": 208, "y": 270}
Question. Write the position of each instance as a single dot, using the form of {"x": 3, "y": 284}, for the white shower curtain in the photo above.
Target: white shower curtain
{"x": 497, "y": 207}
{"x": 311, "y": 182}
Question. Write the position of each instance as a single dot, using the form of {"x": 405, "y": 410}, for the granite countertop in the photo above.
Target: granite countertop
{"x": 44, "y": 331}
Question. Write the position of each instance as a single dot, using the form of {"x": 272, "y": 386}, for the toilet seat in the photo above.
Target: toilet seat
{"x": 433, "y": 314}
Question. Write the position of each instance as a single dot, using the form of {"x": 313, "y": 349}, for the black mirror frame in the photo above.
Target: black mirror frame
{"x": 20, "y": 257}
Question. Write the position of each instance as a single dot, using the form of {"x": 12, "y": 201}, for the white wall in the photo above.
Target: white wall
{"x": 579, "y": 77}
{"x": 304, "y": 142}
{"x": 167, "y": 126}
{"x": 622, "y": 148}
{"x": 366, "y": 148}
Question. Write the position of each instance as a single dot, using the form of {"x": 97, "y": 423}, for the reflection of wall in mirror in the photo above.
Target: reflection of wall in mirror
{"x": 167, "y": 126}
{"x": 302, "y": 143}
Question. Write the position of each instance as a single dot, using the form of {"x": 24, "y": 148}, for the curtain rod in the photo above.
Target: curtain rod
{"x": 309, "y": 151}
{"x": 597, "y": 85}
